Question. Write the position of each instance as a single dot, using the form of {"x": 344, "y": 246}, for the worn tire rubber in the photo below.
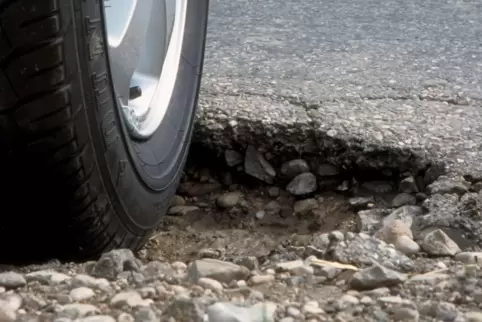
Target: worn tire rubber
{"x": 74, "y": 184}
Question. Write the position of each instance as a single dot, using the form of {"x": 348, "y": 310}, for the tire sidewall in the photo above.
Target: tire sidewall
{"x": 141, "y": 177}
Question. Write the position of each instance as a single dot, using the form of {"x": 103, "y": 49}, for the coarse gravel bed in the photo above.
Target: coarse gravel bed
{"x": 239, "y": 246}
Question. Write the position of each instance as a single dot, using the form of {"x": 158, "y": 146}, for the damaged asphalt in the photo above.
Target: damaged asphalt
{"x": 372, "y": 83}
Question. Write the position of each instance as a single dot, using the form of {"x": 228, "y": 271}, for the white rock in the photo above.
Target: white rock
{"x": 209, "y": 283}
{"x": 312, "y": 307}
{"x": 261, "y": 279}
{"x": 9, "y": 304}
{"x": 81, "y": 294}
{"x": 97, "y": 318}
{"x": 130, "y": 299}
{"x": 179, "y": 267}
{"x": 294, "y": 312}
{"x": 406, "y": 245}
{"x": 473, "y": 316}
{"x": 89, "y": 281}
{"x": 12, "y": 280}
{"x": 228, "y": 199}
{"x": 346, "y": 301}
{"x": 13, "y": 301}
{"x": 437, "y": 242}
{"x": 228, "y": 312}
{"x": 178, "y": 289}
{"x": 469, "y": 257}
{"x": 47, "y": 277}
{"x": 221, "y": 271}
{"x": 429, "y": 279}
{"x": 7, "y": 314}
{"x": 288, "y": 266}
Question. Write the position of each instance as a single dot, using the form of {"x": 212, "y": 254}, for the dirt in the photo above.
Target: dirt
{"x": 256, "y": 225}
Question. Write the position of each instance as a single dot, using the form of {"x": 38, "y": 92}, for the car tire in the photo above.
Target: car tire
{"x": 75, "y": 184}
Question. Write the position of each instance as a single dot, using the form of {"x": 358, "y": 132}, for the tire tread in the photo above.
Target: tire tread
{"x": 36, "y": 99}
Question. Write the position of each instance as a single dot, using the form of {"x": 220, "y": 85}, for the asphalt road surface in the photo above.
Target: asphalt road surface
{"x": 405, "y": 76}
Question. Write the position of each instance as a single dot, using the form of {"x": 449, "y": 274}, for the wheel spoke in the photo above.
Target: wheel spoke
{"x": 170, "y": 13}
{"x": 125, "y": 46}
{"x": 145, "y": 57}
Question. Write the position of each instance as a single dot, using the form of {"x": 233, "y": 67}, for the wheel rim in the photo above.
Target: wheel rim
{"x": 145, "y": 40}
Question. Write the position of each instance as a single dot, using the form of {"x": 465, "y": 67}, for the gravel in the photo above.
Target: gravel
{"x": 216, "y": 290}
{"x": 401, "y": 266}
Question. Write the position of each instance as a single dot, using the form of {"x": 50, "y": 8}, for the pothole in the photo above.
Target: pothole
{"x": 245, "y": 204}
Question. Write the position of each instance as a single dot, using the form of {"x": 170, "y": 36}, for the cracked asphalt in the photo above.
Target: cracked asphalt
{"x": 370, "y": 82}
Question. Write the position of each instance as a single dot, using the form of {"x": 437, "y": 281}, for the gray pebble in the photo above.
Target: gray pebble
{"x": 302, "y": 184}
{"x": 130, "y": 299}
{"x": 233, "y": 158}
{"x": 185, "y": 309}
{"x": 437, "y": 242}
{"x": 81, "y": 293}
{"x": 11, "y": 280}
{"x": 115, "y": 262}
{"x": 295, "y": 167}
{"x": 228, "y": 200}
{"x": 256, "y": 166}
{"x": 405, "y": 314}
{"x": 408, "y": 185}
{"x": 375, "y": 277}
{"x": 146, "y": 314}
{"x": 216, "y": 269}
{"x": 303, "y": 207}
{"x": 403, "y": 199}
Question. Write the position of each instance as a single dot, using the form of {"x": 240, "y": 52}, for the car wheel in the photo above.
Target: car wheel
{"x": 97, "y": 102}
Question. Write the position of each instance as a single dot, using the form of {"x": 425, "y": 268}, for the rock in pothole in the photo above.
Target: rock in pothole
{"x": 455, "y": 184}
{"x": 405, "y": 214}
{"x": 403, "y": 199}
{"x": 398, "y": 233}
{"x": 302, "y": 184}
{"x": 362, "y": 250}
{"x": 438, "y": 243}
{"x": 295, "y": 167}
{"x": 233, "y": 158}
{"x": 256, "y": 166}
{"x": 360, "y": 203}
{"x": 459, "y": 219}
{"x": 228, "y": 199}
{"x": 221, "y": 271}
{"x": 369, "y": 221}
{"x": 408, "y": 185}
{"x": 375, "y": 277}
{"x": 303, "y": 207}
